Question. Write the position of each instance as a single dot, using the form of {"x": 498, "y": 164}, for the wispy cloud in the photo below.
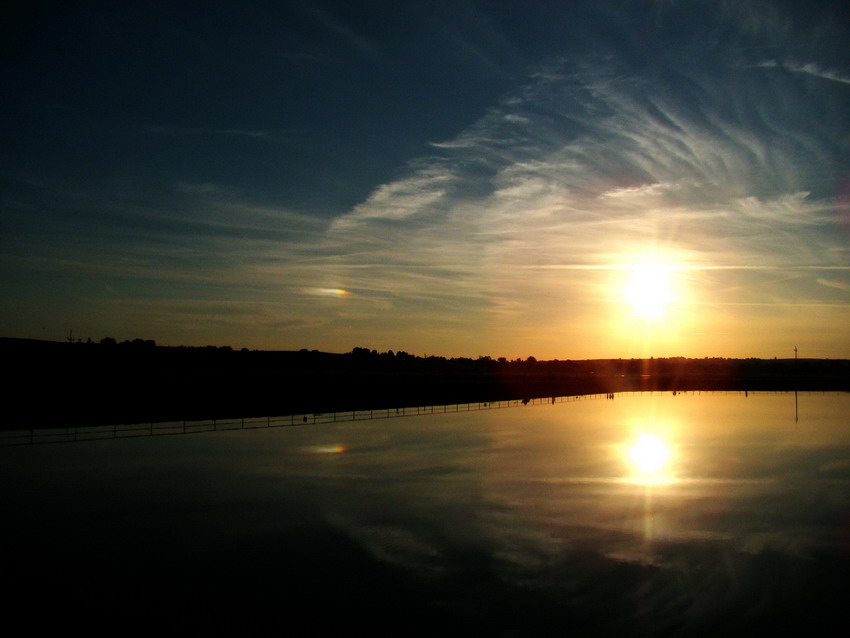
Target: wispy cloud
{"x": 832, "y": 283}
{"x": 610, "y": 158}
{"x": 720, "y": 153}
{"x": 810, "y": 68}
{"x": 355, "y": 40}
{"x": 816, "y": 71}
{"x": 591, "y": 167}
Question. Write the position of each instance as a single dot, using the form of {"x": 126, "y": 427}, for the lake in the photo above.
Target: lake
{"x": 642, "y": 515}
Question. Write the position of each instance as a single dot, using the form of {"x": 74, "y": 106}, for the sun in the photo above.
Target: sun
{"x": 649, "y": 454}
{"x": 649, "y": 290}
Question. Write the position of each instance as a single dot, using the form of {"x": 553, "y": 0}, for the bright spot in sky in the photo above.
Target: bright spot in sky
{"x": 329, "y": 292}
{"x": 648, "y": 290}
{"x": 649, "y": 453}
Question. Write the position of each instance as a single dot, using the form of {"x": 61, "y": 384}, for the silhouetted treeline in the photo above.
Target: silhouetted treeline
{"x": 60, "y": 384}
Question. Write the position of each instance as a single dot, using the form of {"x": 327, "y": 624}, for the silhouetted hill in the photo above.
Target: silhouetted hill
{"x": 61, "y": 384}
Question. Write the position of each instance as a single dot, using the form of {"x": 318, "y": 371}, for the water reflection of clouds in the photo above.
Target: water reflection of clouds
{"x": 494, "y": 515}
{"x": 528, "y": 484}
{"x": 731, "y": 488}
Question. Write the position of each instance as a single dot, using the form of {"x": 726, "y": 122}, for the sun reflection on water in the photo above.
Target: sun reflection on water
{"x": 649, "y": 458}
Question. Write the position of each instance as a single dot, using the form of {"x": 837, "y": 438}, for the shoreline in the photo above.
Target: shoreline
{"x": 93, "y": 384}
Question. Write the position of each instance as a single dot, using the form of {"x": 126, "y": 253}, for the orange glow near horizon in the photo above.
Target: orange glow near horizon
{"x": 650, "y": 310}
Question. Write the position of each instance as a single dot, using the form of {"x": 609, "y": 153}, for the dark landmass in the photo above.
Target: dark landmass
{"x": 57, "y": 384}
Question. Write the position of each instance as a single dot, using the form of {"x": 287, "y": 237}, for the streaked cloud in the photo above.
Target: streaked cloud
{"x": 591, "y": 165}
{"x": 815, "y": 70}
{"x": 710, "y": 137}
{"x": 832, "y": 283}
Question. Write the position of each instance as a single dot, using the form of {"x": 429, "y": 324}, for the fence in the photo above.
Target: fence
{"x": 31, "y": 436}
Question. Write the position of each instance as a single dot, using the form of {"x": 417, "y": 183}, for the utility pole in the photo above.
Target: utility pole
{"x": 796, "y": 409}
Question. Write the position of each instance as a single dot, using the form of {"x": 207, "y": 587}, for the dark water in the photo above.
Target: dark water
{"x": 527, "y": 521}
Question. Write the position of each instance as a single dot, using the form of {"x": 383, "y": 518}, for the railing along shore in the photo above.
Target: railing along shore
{"x": 70, "y": 434}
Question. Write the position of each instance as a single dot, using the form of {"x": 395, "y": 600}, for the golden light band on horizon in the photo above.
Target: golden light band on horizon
{"x": 651, "y": 297}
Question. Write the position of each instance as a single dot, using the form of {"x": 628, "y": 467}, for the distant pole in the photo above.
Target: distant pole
{"x": 71, "y": 336}
{"x": 796, "y": 408}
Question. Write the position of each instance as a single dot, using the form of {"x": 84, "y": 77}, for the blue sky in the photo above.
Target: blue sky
{"x": 455, "y": 178}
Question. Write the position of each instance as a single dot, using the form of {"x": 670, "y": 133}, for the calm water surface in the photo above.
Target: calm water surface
{"x": 535, "y": 520}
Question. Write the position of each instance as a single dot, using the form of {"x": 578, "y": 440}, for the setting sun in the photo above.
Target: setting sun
{"x": 649, "y": 290}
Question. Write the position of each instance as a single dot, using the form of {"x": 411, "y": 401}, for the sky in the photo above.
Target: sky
{"x": 563, "y": 180}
